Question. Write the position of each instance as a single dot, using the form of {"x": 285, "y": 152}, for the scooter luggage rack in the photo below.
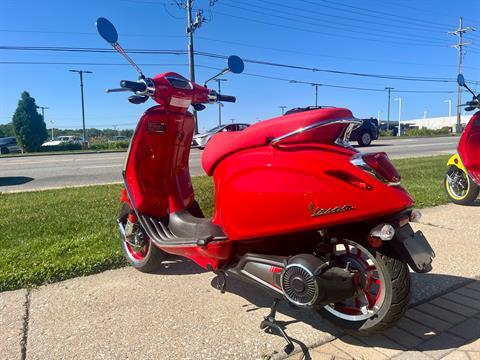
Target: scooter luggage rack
{"x": 342, "y": 140}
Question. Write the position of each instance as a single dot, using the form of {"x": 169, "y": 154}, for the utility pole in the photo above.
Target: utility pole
{"x": 399, "y": 99}
{"x": 424, "y": 114}
{"x": 219, "y": 103}
{"x": 193, "y": 25}
{"x": 283, "y": 107}
{"x": 389, "y": 89}
{"x": 43, "y": 108}
{"x": 459, "y": 46}
{"x": 309, "y": 83}
{"x": 81, "y": 72}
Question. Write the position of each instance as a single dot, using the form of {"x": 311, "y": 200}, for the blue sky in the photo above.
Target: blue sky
{"x": 376, "y": 37}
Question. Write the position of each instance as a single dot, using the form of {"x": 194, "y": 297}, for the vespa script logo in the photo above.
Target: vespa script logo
{"x": 316, "y": 211}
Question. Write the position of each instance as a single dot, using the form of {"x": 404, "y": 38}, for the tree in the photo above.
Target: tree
{"x": 6, "y": 130}
{"x": 30, "y": 129}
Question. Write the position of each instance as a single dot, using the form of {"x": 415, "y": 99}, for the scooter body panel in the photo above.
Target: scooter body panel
{"x": 265, "y": 191}
{"x": 156, "y": 170}
{"x": 469, "y": 147}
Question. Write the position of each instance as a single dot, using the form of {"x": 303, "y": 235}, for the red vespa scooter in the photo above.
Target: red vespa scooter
{"x": 299, "y": 213}
{"x": 462, "y": 180}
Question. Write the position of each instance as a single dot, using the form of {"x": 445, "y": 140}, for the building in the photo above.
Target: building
{"x": 437, "y": 122}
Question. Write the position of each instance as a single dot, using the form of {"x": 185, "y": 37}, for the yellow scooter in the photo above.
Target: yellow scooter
{"x": 462, "y": 179}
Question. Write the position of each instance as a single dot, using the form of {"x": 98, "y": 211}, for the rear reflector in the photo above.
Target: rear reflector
{"x": 380, "y": 163}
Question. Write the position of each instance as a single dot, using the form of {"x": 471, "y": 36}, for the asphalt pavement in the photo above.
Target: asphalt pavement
{"x": 178, "y": 314}
{"x": 54, "y": 171}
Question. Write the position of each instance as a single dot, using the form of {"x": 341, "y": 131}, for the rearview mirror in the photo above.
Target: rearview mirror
{"x": 460, "y": 80}
{"x": 107, "y": 30}
{"x": 235, "y": 64}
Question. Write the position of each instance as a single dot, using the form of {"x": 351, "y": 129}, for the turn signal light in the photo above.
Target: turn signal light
{"x": 384, "y": 232}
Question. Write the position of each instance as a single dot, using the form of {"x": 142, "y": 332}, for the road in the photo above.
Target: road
{"x": 53, "y": 171}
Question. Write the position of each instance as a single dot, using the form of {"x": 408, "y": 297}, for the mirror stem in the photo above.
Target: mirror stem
{"x": 117, "y": 47}
{"x": 223, "y": 72}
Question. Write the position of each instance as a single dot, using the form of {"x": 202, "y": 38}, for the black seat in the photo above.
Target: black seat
{"x": 183, "y": 224}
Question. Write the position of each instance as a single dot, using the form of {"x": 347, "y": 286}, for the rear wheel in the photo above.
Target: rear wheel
{"x": 138, "y": 248}
{"x": 4, "y": 150}
{"x": 383, "y": 295}
{"x": 460, "y": 187}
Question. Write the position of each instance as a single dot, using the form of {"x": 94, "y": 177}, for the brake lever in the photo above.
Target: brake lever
{"x": 117, "y": 90}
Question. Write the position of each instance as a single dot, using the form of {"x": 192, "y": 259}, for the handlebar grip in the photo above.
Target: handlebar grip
{"x": 133, "y": 85}
{"x": 226, "y": 98}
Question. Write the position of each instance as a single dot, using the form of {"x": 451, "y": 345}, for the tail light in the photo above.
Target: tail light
{"x": 379, "y": 165}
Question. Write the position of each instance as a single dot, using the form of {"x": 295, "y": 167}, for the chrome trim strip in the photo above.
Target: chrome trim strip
{"x": 350, "y": 121}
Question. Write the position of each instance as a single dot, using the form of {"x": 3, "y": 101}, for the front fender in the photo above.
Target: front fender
{"x": 456, "y": 161}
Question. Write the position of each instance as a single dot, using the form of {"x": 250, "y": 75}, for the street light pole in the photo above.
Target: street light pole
{"x": 399, "y": 99}
{"x": 316, "y": 94}
{"x": 283, "y": 107}
{"x": 51, "y": 122}
{"x": 220, "y": 104}
{"x": 449, "y": 108}
{"x": 389, "y": 89}
{"x": 81, "y": 72}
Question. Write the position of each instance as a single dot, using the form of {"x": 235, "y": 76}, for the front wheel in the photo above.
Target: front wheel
{"x": 138, "y": 248}
{"x": 383, "y": 295}
{"x": 460, "y": 187}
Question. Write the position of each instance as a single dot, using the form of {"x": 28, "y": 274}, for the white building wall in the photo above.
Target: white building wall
{"x": 438, "y": 122}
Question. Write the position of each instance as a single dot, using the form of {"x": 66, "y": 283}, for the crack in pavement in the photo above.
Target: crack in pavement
{"x": 26, "y": 319}
{"x": 436, "y": 226}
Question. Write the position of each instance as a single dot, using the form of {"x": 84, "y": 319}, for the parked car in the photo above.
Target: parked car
{"x": 65, "y": 139}
{"x": 200, "y": 140}
{"x": 9, "y": 145}
{"x": 366, "y": 133}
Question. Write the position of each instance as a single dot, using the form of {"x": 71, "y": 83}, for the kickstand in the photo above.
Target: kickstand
{"x": 270, "y": 322}
{"x": 221, "y": 283}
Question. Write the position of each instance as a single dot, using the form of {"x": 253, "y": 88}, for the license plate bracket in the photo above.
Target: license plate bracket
{"x": 414, "y": 248}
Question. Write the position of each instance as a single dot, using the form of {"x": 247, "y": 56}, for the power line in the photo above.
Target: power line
{"x": 284, "y": 26}
{"x": 359, "y": 10}
{"x": 348, "y": 29}
{"x": 219, "y": 56}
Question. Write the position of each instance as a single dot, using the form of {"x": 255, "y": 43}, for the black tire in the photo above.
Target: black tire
{"x": 365, "y": 138}
{"x": 397, "y": 298}
{"x": 154, "y": 257}
{"x": 471, "y": 193}
{"x": 4, "y": 150}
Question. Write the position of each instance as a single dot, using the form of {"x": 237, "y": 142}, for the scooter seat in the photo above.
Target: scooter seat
{"x": 224, "y": 144}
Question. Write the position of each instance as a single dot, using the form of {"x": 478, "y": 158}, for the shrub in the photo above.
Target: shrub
{"x": 428, "y": 132}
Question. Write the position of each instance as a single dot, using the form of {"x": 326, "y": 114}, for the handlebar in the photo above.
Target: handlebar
{"x": 226, "y": 98}
{"x": 133, "y": 85}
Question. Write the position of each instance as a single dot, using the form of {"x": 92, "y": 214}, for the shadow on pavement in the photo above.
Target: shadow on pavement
{"x": 14, "y": 180}
{"x": 372, "y": 145}
{"x": 430, "y": 285}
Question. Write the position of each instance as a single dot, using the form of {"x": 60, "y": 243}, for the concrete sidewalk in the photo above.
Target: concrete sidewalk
{"x": 178, "y": 313}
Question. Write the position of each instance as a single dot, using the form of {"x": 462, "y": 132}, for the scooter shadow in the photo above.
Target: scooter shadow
{"x": 387, "y": 340}
{"x": 14, "y": 180}
{"x": 425, "y": 287}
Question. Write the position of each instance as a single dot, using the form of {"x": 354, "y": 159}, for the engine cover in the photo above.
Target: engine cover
{"x": 308, "y": 281}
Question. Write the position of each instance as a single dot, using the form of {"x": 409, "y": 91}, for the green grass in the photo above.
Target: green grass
{"x": 53, "y": 235}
